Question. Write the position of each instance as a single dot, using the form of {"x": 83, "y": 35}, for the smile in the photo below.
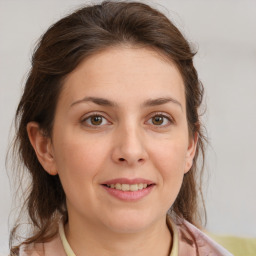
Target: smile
{"x": 128, "y": 187}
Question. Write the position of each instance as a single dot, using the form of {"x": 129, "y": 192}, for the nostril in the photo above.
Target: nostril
{"x": 121, "y": 159}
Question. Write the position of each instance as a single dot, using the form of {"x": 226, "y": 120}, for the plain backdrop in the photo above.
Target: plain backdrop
{"x": 224, "y": 33}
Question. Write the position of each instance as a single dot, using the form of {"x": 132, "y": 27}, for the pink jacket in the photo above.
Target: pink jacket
{"x": 191, "y": 242}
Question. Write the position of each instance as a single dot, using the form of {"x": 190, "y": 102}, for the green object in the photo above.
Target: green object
{"x": 239, "y": 246}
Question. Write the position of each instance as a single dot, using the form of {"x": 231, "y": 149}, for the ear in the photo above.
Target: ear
{"x": 43, "y": 147}
{"x": 191, "y": 152}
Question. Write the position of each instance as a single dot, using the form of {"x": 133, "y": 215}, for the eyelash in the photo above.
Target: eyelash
{"x": 167, "y": 118}
{"x": 90, "y": 116}
{"x": 161, "y": 115}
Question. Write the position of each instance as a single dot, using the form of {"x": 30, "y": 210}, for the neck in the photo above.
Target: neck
{"x": 88, "y": 239}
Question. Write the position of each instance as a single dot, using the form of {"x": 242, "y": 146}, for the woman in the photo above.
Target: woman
{"x": 108, "y": 128}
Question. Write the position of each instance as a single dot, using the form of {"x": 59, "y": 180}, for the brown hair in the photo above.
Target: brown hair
{"x": 60, "y": 50}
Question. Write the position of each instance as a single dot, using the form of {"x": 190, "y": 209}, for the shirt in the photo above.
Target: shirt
{"x": 186, "y": 240}
{"x": 172, "y": 227}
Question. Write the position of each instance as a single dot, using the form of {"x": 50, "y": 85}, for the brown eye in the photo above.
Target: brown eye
{"x": 160, "y": 120}
{"x": 157, "y": 120}
{"x": 96, "y": 120}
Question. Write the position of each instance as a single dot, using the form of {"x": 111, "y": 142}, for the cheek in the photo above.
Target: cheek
{"x": 170, "y": 164}
{"x": 79, "y": 162}
{"x": 170, "y": 158}
{"x": 78, "y": 158}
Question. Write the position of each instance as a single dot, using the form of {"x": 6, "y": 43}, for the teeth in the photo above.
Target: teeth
{"x": 127, "y": 187}
{"x": 141, "y": 186}
{"x": 118, "y": 186}
{"x": 134, "y": 187}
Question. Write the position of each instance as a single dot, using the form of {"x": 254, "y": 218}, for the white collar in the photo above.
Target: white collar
{"x": 171, "y": 226}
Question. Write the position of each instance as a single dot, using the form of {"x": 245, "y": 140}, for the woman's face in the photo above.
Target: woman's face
{"x": 120, "y": 140}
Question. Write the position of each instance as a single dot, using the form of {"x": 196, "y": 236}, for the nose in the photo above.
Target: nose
{"x": 129, "y": 148}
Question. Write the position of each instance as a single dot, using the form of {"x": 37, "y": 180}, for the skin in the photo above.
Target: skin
{"x": 128, "y": 143}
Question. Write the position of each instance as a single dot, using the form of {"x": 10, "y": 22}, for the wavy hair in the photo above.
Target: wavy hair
{"x": 59, "y": 51}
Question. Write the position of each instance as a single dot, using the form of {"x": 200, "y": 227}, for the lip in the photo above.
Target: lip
{"x": 128, "y": 181}
{"x": 129, "y": 195}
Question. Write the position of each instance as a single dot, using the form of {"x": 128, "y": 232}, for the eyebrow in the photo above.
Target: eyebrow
{"x": 96, "y": 100}
{"x": 147, "y": 103}
{"x": 161, "y": 101}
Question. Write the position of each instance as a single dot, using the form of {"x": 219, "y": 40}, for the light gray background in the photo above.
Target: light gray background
{"x": 225, "y": 34}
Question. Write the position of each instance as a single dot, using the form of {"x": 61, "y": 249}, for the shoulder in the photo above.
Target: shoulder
{"x": 193, "y": 239}
{"x": 53, "y": 247}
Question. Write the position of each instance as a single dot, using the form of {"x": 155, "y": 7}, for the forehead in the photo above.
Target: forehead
{"x": 125, "y": 73}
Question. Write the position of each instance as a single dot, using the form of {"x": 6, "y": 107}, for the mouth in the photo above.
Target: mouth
{"x": 128, "y": 187}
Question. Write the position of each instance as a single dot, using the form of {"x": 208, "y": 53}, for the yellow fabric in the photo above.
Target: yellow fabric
{"x": 237, "y": 245}
{"x": 171, "y": 225}
{"x": 64, "y": 240}
{"x": 175, "y": 238}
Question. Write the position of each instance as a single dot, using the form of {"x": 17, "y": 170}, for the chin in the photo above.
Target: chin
{"x": 128, "y": 227}
{"x": 130, "y": 223}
